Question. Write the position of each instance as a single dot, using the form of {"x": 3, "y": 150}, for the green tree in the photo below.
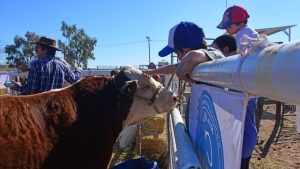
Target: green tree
{"x": 21, "y": 52}
{"x": 78, "y": 47}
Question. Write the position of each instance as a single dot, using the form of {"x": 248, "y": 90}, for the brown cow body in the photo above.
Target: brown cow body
{"x": 71, "y": 128}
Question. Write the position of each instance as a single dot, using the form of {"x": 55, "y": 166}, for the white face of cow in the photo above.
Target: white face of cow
{"x": 150, "y": 98}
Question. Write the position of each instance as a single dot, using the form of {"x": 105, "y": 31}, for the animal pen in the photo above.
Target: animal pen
{"x": 271, "y": 72}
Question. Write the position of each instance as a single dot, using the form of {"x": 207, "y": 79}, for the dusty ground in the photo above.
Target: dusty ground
{"x": 278, "y": 145}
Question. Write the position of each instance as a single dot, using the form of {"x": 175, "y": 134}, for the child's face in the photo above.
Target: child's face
{"x": 233, "y": 29}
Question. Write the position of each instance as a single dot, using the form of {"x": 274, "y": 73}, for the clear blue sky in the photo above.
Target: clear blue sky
{"x": 121, "y": 26}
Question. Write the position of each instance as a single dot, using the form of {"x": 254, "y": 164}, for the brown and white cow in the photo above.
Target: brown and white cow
{"x": 76, "y": 127}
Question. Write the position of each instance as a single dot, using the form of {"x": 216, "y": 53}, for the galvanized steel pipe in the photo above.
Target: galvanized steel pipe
{"x": 272, "y": 72}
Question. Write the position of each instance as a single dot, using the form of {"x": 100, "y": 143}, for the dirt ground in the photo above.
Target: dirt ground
{"x": 278, "y": 144}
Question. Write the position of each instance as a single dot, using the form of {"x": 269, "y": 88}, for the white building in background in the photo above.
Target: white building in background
{"x": 162, "y": 63}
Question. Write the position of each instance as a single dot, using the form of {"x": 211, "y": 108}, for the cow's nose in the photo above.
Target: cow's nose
{"x": 176, "y": 98}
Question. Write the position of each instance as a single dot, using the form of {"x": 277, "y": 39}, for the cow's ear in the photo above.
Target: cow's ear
{"x": 130, "y": 88}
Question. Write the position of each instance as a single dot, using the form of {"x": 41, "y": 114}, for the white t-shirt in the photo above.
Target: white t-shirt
{"x": 246, "y": 30}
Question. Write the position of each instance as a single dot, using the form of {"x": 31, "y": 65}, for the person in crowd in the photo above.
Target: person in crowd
{"x": 152, "y": 66}
{"x": 226, "y": 44}
{"x": 114, "y": 72}
{"x": 185, "y": 37}
{"x": 235, "y": 20}
{"x": 46, "y": 72}
{"x": 250, "y": 131}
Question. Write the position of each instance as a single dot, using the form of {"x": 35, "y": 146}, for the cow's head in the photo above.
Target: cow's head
{"x": 151, "y": 97}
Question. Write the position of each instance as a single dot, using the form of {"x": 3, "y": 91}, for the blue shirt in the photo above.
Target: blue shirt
{"x": 47, "y": 73}
{"x": 250, "y": 131}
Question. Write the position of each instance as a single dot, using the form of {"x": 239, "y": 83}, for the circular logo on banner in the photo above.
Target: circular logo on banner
{"x": 208, "y": 141}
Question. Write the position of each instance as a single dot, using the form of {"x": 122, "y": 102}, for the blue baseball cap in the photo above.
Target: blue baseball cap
{"x": 183, "y": 35}
{"x": 233, "y": 14}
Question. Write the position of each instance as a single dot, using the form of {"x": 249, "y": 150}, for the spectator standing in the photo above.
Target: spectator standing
{"x": 47, "y": 72}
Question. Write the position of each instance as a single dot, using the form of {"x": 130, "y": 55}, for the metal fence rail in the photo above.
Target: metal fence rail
{"x": 272, "y": 73}
{"x": 181, "y": 152}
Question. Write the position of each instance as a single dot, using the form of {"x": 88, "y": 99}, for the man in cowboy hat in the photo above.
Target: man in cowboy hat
{"x": 47, "y": 72}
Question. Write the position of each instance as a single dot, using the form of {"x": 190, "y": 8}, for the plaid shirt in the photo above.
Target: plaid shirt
{"x": 47, "y": 73}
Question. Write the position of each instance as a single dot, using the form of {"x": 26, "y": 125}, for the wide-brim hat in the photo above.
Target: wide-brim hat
{"x": 47, "y": 42}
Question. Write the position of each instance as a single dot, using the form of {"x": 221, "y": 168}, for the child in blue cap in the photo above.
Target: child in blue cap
{"x": 235, "y": 20}
{"x": 184, "y": 38}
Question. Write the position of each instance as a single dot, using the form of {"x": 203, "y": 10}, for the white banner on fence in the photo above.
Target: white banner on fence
{"x": 216, "y": 125}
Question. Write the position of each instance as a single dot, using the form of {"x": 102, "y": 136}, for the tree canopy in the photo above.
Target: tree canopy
{"x": 78, "y": 47}
{"x": 21, "y": 52}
